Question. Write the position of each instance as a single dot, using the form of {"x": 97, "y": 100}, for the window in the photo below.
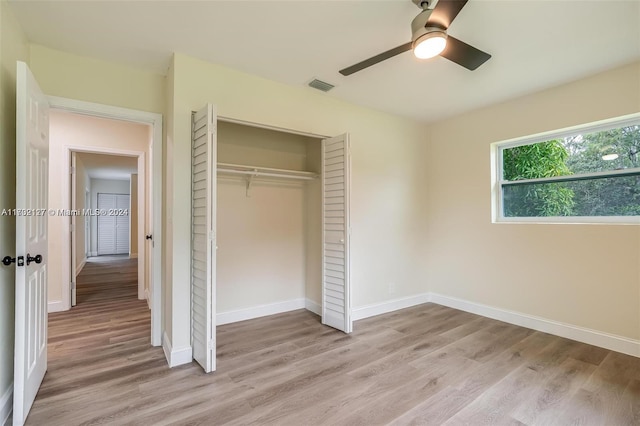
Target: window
{"x": 586, "y": 174}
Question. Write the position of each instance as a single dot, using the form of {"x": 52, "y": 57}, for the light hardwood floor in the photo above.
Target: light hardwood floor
{"x": 424, "y": 365}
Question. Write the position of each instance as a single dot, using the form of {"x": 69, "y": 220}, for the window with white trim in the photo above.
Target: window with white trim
{"x": 586, "y": 174}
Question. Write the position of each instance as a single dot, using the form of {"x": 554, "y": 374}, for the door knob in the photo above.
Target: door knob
{"x": 8, "y": 260}
{"x": 37, "y": 258}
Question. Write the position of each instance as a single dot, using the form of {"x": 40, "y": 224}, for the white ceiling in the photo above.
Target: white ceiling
{"x": 535, "y": 44}
{"x": 103, "y": 166}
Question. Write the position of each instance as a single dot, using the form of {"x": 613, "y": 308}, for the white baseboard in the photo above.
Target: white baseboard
{"x": 259, "y": 311}
{"x": 312, "y": 306}
{"x": 80, "y": 266}
{"x": 176, "y": 357}
{"x": 388, "y": 306}
{"x": 56, "y": 306}
{"x": 6, "y": 405}
{"x": 133, "y": 255}
{"x": 580, "y": 334}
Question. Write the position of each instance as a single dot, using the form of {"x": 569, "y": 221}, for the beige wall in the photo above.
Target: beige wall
{"x": 262, "y": 255}
{"x": 13, "y": 47}
{"x": 388, "y": 191}
{"x": 133, "y": 216}
{"x": 93, "y": 80}
{"x": 88, "y": 133}
{"x": 583, "y": 275}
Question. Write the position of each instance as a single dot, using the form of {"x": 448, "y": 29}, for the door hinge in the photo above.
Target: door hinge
{"x": 212, "y": 235}
{"x": 211, "y": 344}
{"x": 72, "y": 170}
{"x": 73, "y": 285}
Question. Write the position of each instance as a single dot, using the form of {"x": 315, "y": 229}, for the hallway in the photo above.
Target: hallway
{"x": 108, "y": 278}
{"x": 95, "y": 347}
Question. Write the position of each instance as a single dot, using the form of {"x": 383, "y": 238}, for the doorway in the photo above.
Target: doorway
{"x": 149, "y": 170}
{"x": 105, "y": 196}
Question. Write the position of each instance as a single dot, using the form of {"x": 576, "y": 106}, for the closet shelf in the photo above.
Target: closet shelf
{"x": 265, "y": 171}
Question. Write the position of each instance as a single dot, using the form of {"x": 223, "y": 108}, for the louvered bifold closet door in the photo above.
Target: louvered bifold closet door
{"x": 203, "y": 222}
{"x": 122, "y": 223}
{"x": 106, "y": 225}
{"x": 336, "y": 297}
{"x": 113, "y": 227}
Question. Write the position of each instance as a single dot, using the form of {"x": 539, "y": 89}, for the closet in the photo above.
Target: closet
{"x": 270, "y": 217}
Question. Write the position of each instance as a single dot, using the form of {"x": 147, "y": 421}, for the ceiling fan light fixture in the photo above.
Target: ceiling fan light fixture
{"x": 430, "y": 44}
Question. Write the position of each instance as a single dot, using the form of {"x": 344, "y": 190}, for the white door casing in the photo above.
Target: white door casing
{"x": 336, "y": 230}
{"x": 203, "y": 237}
{"x": 73, "y": 225}
{"x": 32, "y": 157}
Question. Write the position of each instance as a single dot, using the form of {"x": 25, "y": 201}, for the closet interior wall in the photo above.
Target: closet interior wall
{"x": 269, "y": 235}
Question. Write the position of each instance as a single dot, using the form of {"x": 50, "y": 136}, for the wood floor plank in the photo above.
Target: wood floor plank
{"x": 425, "y": 365}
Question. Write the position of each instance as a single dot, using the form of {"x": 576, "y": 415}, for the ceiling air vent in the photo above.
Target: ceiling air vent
{"x": 321, "y": 85}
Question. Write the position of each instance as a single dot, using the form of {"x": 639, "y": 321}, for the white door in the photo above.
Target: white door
{"x": 336, "y": 295}
{"x": 203, "y": 237}
{"x": 32, "y": 157}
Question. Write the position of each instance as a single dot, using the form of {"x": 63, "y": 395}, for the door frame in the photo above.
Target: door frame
{"x": 155, "y": 206}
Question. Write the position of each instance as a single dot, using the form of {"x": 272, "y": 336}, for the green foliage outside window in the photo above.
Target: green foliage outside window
{"x": 540, "y": 160}
{"x": 579, "y": 154}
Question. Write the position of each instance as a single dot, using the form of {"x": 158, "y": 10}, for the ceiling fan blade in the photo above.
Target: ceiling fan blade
{"x": 445, "y": 12}
{"x": 374, "y": 60}
{"x": 463, "y": 54}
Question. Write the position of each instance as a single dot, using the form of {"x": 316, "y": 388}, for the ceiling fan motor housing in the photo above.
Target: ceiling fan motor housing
{"x": 419, "y": 28}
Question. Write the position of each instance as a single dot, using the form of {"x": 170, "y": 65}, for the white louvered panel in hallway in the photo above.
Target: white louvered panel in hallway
{"x": 113, "y": 228}
{"x": 122, "y": 223}
{"x": 203, "y": 196}
{"x": 336, "y": 308}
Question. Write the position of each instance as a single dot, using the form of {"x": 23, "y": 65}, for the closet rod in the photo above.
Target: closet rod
{"x": 227, "y": 166}
{"x": 258, "y": 173}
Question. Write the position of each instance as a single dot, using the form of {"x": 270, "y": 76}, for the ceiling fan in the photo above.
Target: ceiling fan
{"x": 430, "y": 38}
